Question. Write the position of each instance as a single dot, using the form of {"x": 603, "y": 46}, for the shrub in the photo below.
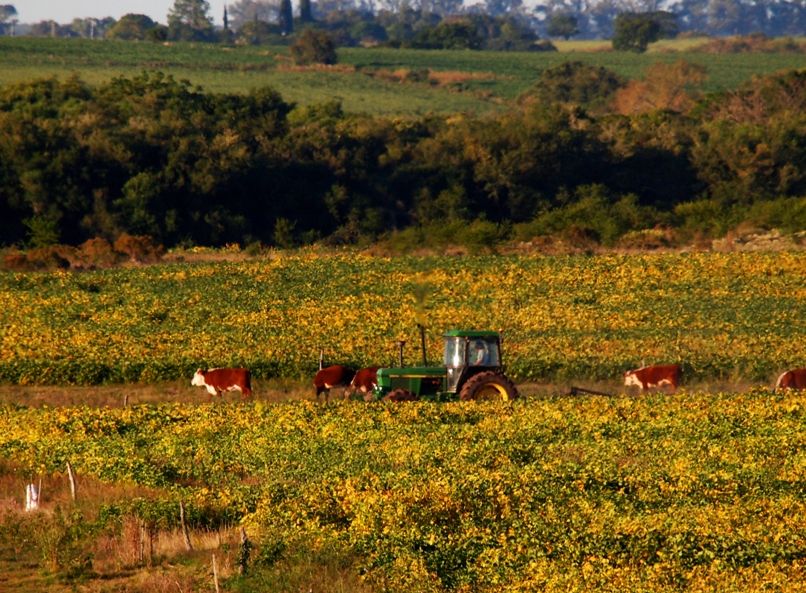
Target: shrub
{"x": 139, "y": 248}
{"x": 98, "y": 253}
{"x": 64, "y": 542}
{"x": 46, "y": 258}
{"x": 592, "y": 216}
{"x": 314, "y": 47}
{"x": 15, "y": 261}
{"x": 576, "y": 83}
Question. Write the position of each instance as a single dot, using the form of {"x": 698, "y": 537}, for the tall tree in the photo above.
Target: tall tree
{"x": 562, "y": 25}
{"x": 286, "y": 21}
{"x": 190, "y": 20}
{"x": 305, "y": 11}
{"x": 7, "y": 15}
{"x": 634, "y": 32}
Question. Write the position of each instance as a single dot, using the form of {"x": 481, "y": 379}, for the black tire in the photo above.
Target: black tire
{"x": 488, "y": 385}
{"x": 400, "y": 395}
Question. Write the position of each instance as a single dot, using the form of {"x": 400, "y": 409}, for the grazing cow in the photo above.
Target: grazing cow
{"x": 364, "y": 381}
{"x": 332, "y": 376}
{"x": 792, "y": 379}
{"x": 217, "y": 381}
{"x": 665, "y": 375}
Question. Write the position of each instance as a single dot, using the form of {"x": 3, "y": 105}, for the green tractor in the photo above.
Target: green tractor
{"x": 472, "y": 371}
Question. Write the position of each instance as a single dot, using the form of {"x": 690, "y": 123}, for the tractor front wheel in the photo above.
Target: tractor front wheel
{"x": 488, "y": 385}
{"x": 400, "y": 395}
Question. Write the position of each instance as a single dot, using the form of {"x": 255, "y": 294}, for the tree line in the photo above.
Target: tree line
{"x": 582, "y": 152}
{"x": 405, "y": 23}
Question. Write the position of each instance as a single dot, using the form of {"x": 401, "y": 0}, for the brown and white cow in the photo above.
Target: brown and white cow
{"x": 792, "y": 379}
{"x": 217, "y": 381}
{"x": 333, "y": 376}
{"x": 364, "y": 381}
{"x": 648, "y": 377}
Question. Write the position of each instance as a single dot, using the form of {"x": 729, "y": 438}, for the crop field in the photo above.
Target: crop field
{"x": 731, "y": 316}
{"x": 699, "y": 491}
{"x": 237, "y": 69}
{"x": 662, "y": 493}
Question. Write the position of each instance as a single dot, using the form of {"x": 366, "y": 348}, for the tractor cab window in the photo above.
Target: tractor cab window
{"x": 483, "y": 352}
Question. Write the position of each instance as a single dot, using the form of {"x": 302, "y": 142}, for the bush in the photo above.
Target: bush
{"x": 139, "y": 248}
{"x": 314, "y": 47}
{"x": 787, "y": 214}
{"x": 64, "y": 542}
{"x": 575, "y": 83}
{"x": 97, "y": 253}
{"x": 592, "y": 215}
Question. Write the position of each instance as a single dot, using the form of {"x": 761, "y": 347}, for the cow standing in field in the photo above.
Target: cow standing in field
{"x": 217, "y": 381}
{"x": 658, "y": 376}
{"x": 333, "y": 376}
{"x": 792, "y": 379}
{"x": 364, "y": 381}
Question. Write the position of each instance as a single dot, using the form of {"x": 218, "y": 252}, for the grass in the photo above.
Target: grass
{"x": 219, "y": 68}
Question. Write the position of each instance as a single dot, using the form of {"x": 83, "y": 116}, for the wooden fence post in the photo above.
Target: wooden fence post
{"x": 185, "y": 532}
{"x": 215, "y": 575}
{"x": 244, "y": 553}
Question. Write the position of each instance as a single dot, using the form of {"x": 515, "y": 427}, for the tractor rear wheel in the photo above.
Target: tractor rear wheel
{"x": 488, "y": 385}
{"x": 400, "y": 395}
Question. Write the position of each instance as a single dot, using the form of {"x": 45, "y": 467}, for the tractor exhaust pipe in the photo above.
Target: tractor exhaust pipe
{"x": 400, "y": 344}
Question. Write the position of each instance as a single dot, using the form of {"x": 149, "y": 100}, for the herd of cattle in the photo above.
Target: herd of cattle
{"x": 217, "y": 381}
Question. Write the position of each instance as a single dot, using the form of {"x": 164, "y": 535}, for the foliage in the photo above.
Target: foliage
{"x": 673, "y": 87}
{"x": 133, "y": 26}
{"x": 685, "y": 492}
{"x": 155, "y": 155}
{"x": 634, "y": 32}
{"x": 188, "y": 20}
{"x": 562, "y": 25}
{"x": 562, "y": 317}
{"x": 258, "y": 33}
{"x": 575, "y": 83}
{"x": 314, "y": 47}
{"x": 138, "y": 248}
{"x": 454, "y": 34}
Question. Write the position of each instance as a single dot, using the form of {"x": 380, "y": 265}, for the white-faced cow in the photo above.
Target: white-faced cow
{"x": 648, "y": 377}
{"x": 217, "y": 381}
{"x": 364, "y": 381}
{"x": 333, "y": 376}
{"x": 792, "y": 379}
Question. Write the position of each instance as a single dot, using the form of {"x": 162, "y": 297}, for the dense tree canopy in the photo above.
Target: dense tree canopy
{"x": 151, "y": 155}
{"x": 133, "y": 26}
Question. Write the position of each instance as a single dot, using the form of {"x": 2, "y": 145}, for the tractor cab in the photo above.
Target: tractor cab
{"x": 464, "y": 350}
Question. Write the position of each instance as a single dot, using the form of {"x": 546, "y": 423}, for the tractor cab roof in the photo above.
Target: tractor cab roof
{"x": 462, "y": 333}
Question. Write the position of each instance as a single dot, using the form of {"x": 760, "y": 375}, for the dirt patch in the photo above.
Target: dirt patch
{"x": 116, "y": 396}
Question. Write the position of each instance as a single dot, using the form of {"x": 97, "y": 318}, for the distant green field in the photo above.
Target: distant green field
{"x": 219, "y": 68}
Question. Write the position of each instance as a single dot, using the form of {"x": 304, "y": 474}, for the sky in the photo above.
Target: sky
{"x": 64, "y": 11}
